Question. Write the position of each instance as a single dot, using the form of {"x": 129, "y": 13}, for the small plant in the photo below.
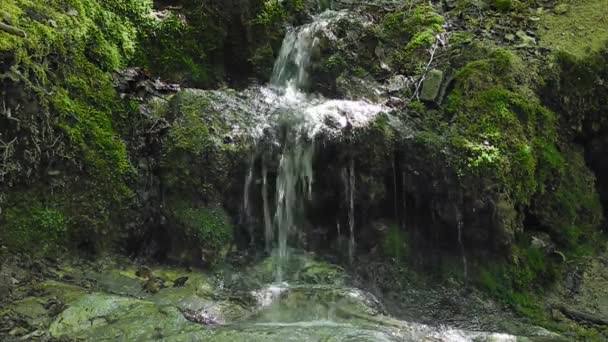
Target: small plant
{"x": 396, "y": 243}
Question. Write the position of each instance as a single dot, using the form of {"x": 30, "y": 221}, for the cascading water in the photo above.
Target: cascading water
{"x": 295, "y": 118}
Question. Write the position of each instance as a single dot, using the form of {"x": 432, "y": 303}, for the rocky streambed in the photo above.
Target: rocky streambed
{"x": 115, "y": 299}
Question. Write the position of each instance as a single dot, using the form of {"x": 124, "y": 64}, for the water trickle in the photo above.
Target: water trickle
{"x": 395, "y": 202}
{"x": 403, "y": 200}
{"x": 268, "y": 231}
{"x": 351, "y": 211}
{"x": 462, "y": 251}
{"x": 348, "y": 181}
{"x": 247, "y": 215}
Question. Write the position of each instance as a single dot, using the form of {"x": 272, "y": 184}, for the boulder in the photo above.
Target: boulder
{"x": 431, "y": 86}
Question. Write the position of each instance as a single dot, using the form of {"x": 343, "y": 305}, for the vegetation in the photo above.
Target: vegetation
{"x": 510, "y": 149}
{"x": 417, "y": 28}
{"x": 32, "y": 226}
{"x": 210, "y": 227}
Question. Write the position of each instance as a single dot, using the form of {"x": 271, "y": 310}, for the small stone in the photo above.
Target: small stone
{"x": 7, "y": 18}
{"x": 153, "y": 285}
{"x": 144, "y": 272}
{"x": 180, "y": 282}
{"x": 432, "y": 85}
{"x": 18, "y": 331}
{"x": 527, "y": 41}
{"x": 397, "y": 83}
{"x": 561, "y": 9}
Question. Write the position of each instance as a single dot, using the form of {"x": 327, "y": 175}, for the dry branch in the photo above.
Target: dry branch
{"x": 12, "y": 30}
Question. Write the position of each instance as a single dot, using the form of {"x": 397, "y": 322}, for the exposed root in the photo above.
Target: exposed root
{"x": 12, "y": 30}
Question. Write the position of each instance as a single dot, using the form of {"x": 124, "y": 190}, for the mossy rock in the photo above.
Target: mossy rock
{"x": 210, "y": 229}
{"x": 31, "y": 225}
{"x": 417, "y": 29}
{"x": 432, "y": 85}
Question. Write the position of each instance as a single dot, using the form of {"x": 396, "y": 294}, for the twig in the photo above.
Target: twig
{"x": 432, "y": 51}
{"x": 12, "y": 30}
{"x": 581, "y": 316}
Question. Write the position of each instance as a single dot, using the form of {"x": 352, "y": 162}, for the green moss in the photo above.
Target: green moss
{"x": 517, "y": 282}
{"x": 582, "y": 29}
{"x": 62, "y": 72}
{"x": 336, "y": 64}
{"x": 30, "y": 225}
{"x": 502, "y": 5}
{"x": 172, "y": 49}
{"x": 499, "y": 128}
{"x": 572, "y": 208}
{"x": 412, "y": 32}
{"x": 396, "y": 243}
{"x": 210, "y": 227}
{"x": 272, "y": 12}
{"x": 197, "y": 162}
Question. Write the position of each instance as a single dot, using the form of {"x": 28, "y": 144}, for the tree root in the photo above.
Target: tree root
{"x": 580, "y": 316}
{"x": 12, "y": 30}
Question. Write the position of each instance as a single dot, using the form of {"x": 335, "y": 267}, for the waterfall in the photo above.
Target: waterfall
{"x": 291, "y": 67}
{"x": 294, "y": 184}
{"x": 462, "y": 251}
{"x": 293, "y": 119}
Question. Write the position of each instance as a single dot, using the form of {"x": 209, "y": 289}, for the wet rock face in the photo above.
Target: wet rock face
{"x": 583, "y": 121}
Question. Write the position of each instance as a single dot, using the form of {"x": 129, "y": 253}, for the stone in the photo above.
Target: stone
{"x": 18, "y": 331}
{"x": 542, "y": 241}
{"x": 432, "y": 85}
{"x": 526, "y": 40}
{"x": 180, "y": 282}
{"x": 561, "y": 9}
{"x": 6, "y": 286}
{"x": 398, "y": 83}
